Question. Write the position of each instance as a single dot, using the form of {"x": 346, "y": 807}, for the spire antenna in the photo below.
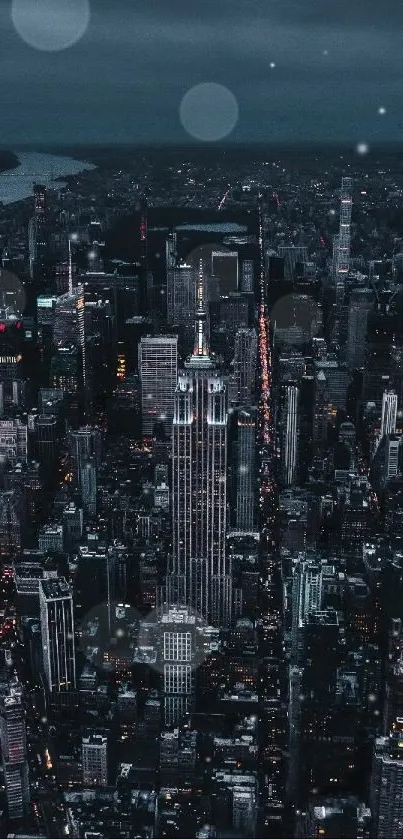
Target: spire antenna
{"x": 201, "y": 343}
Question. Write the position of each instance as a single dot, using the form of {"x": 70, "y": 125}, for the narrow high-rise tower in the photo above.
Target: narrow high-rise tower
{"x": 199, "y": 479}
{"x": 14, "y": 752}
{"x": 341, "y": 249}
{"x": 289, "y": 432}
{"x": 246, "y": 477}
{"x": 144, "y": 302}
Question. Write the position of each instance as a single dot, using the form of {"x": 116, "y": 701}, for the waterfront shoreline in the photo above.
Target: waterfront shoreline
{"x": 16, "y": 184}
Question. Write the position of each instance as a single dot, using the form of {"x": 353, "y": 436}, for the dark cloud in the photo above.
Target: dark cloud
{"x": 125, "y": 79}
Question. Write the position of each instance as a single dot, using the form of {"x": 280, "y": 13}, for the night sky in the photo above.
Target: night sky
{"x": 338, "y": 73}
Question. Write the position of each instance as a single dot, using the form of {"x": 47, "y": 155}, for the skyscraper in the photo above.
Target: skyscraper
{"x": 288, "y": 432}
{"x": 69, "y": 323}
{"x": 199, "y": 478}
{"x": 242, "y": 380}
{"x": 178, "y": 629}
{"x": 389, "y": 413}
{"x": 46, "y": 440}
{"x": 158, "y": 367}
{"x": 66, "y": 330}
{"x": 85, "y": 445}
{"x": 225, "y": 266}
{"x": 10, "y": 522}
{"x": 95, "y": 760}
{"x": 39, "y": 233}
{"x": 88, "y": 482}
{"x": 171, "y": 251}
{"x": 341, "y": 250}
{"x": 247, "y": 276}
{"x": 145, "y": 302}
{"x": 57, "y": 627}
{"x": 14, "y": 751}
{"x": 181, "y": 284}
{"x": 392, "y": 457}
{"x": 245, "y": 477}
{"x": 361, "y": 302}
{"x": 387, "y": 784}
{"x": 293, "y": 256}
{"x": 13, "y": 441}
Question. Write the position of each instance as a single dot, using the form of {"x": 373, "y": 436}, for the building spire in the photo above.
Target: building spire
{"x": 201, "y": 347}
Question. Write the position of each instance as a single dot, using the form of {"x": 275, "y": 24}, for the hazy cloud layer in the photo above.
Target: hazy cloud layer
{"x": 336, "y": 64}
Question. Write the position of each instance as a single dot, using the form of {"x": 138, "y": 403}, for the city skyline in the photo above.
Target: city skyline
{"x": 201, "y": 496}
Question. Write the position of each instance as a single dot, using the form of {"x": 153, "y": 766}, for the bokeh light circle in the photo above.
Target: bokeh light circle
{"x": 177, "y": 620}
{"x": 362, "y": 148}
{"x": 209, "y": 112}
{"x": 296, "y": 319}
{"x": 51, "y": 25}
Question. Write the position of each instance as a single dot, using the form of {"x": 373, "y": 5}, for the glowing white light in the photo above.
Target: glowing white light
{"x": 51, "y": 25}
{"x": 362, "y": 148}
{"x": 209, "y": 112}
{"x": 272, "y": 65}
{"x": 382, "y": 110}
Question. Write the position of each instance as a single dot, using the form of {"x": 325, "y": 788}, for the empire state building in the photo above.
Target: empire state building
{"x": 199, "y": 480}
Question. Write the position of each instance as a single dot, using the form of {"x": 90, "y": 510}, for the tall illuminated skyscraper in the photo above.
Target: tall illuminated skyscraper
{"x": 158, "y": 367}
{"x": 246, "y": 478}
{"x": 177, "y": 629}
{"x": 57, "y": 627}
{"x": 199, "y": 478}
{"x": 39, "y": 233}
{"x": 341, "y": 250}
{"x": 14, "y": 752}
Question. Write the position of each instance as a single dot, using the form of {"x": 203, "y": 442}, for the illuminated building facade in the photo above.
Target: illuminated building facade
{"x": 158, "y": 367}
{"x": 199, "y": 476}
{"x": 57, "y": 627}
{"x": 14, "y": 752}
